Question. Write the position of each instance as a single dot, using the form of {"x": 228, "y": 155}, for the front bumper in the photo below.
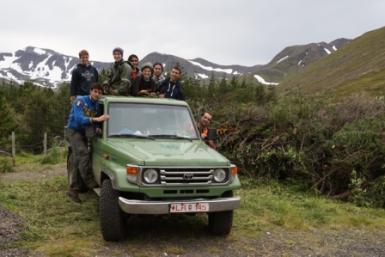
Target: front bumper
{"x": 163, "y": 207}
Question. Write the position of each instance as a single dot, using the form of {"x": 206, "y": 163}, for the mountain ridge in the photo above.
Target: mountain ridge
{"x": 49, "y": 68}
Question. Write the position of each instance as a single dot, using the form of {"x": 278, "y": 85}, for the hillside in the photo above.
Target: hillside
{"x": 358, "y": 66}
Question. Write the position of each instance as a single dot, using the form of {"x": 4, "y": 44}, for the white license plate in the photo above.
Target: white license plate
{"x": 188, "y": 207}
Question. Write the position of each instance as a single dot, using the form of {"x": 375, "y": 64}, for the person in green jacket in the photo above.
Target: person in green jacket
{"x": 119, "y": 82}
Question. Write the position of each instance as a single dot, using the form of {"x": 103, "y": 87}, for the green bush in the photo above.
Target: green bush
{"x": 55, "y": 155}
{"x": 6, "y": 164}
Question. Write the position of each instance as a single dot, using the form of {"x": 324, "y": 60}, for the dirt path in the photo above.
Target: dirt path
{"x": 170, "y": 236}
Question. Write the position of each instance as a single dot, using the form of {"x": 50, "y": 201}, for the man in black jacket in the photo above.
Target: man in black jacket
{"x": 171, "y": 87}
{"x": 83, "y": 76}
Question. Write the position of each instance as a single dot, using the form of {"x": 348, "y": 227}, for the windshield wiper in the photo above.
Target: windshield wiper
{"x": 171, "y": 136}
{"x": 131, "y": 135}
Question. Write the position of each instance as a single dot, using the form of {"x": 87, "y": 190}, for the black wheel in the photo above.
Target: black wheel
{"x": 111, "y": 216}
{"x": 220, "y": 223}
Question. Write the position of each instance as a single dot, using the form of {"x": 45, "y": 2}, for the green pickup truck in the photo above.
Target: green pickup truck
{"x": 150, "y": 159}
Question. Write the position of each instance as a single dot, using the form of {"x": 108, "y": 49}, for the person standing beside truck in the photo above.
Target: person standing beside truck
{"x": 83, "y": 76}
{"x": 83, "y": 113}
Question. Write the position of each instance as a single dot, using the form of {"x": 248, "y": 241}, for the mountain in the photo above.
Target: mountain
{"x": 358, "y": 66}
{"x": 49, "y": 68}
{"x": 42, "y": 66}
{"x": 292, "y": 59}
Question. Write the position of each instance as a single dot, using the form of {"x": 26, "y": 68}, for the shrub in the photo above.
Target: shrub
{"x": 6, "y": 164}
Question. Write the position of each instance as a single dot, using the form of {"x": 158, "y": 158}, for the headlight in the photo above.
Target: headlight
{"x": 150, "y": 176}
{"x": 219, "y": 175}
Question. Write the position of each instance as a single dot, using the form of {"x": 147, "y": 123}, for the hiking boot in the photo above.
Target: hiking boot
{"x": 74, "y": 196}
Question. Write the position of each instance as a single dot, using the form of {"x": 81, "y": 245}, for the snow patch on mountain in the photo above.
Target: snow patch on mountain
{"x": 282, "y": 59}
{"x": 300, "y": 62}
{"x": 228, "y": 71}
{"x": 264, "y": 82}
{"x": 8, "y": 60}
{"x": 201, "y": 75}
{"x": 39, "y": 51}
{"x": 334, "y": 48}
{"x": 327, "y": 51}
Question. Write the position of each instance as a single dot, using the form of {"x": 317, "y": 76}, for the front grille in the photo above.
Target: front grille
{"x": 190, "y": 176}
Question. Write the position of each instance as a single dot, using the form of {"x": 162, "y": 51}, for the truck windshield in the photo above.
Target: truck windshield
{"x": 147, "y": 120}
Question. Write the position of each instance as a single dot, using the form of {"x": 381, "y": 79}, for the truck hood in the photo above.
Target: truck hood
{"x": 168, "y": 152}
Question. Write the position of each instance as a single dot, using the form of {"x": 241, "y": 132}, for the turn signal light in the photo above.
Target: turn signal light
{"x": 234, "y": 170}
{"x": 132, "y": 170}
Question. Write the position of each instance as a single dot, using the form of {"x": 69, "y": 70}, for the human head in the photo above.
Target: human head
{"x": 147, "y": 70}
{"x": 83, "y": 56}
{"x": 96, "y": 91}
{"x": 158, "y": 69}
{"x": 118, "y": 54}
{"x": 133, "y": 59}
{"x": 206, "y": 119}
{"x": 175, "y": 73}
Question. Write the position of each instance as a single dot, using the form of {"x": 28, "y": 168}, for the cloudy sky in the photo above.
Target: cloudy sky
{"x": 246, "y": 32}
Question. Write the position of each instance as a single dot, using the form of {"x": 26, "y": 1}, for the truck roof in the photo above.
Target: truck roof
{"x": 146, "y": 100}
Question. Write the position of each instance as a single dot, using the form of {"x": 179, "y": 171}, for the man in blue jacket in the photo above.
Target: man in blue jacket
{"x": 83, "y": 76}
{"x": 83, "y": 113}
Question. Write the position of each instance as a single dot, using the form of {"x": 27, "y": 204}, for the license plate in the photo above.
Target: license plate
{"x": 189, "y": 207}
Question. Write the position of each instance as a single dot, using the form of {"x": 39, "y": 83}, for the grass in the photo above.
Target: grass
{"x": 58, "y": 227}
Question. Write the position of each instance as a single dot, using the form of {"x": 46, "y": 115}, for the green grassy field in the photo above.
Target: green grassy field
{"x": 56, "y": 226}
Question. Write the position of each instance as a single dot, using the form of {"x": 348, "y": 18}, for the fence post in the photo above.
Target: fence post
{"x": 13, "y": 148}
{"x": 45, "y": 143}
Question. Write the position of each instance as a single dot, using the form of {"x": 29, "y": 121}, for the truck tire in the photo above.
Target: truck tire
{"x": 220, "y": 223}
{"x": 112, "y": 220}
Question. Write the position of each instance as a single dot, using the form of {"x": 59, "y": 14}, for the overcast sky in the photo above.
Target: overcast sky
{"x": 245, "y": 32}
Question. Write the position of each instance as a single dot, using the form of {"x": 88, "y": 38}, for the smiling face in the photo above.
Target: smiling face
{"x": 134, "y": 62}
{"x": 206, "y": 119}
{"x": 117, "y": 56}
{"x": 95, "y": 94}
{"x": 146, "y": 72}
{"x": 158, "y": 70}
{"x": 84, "y": 59}
{"x": 175, "y": 75}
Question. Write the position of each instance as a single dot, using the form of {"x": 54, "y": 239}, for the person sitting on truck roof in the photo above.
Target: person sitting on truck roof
{"x": 171, "y": 87}
{"x": 144, "y": 85}
{"x": 158, "y": 76}
{"x": 133, "y": 61}
{"x": 208, "y": 135}
{"x": 119, "y": 82}
{"x": 83, "y": 113}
